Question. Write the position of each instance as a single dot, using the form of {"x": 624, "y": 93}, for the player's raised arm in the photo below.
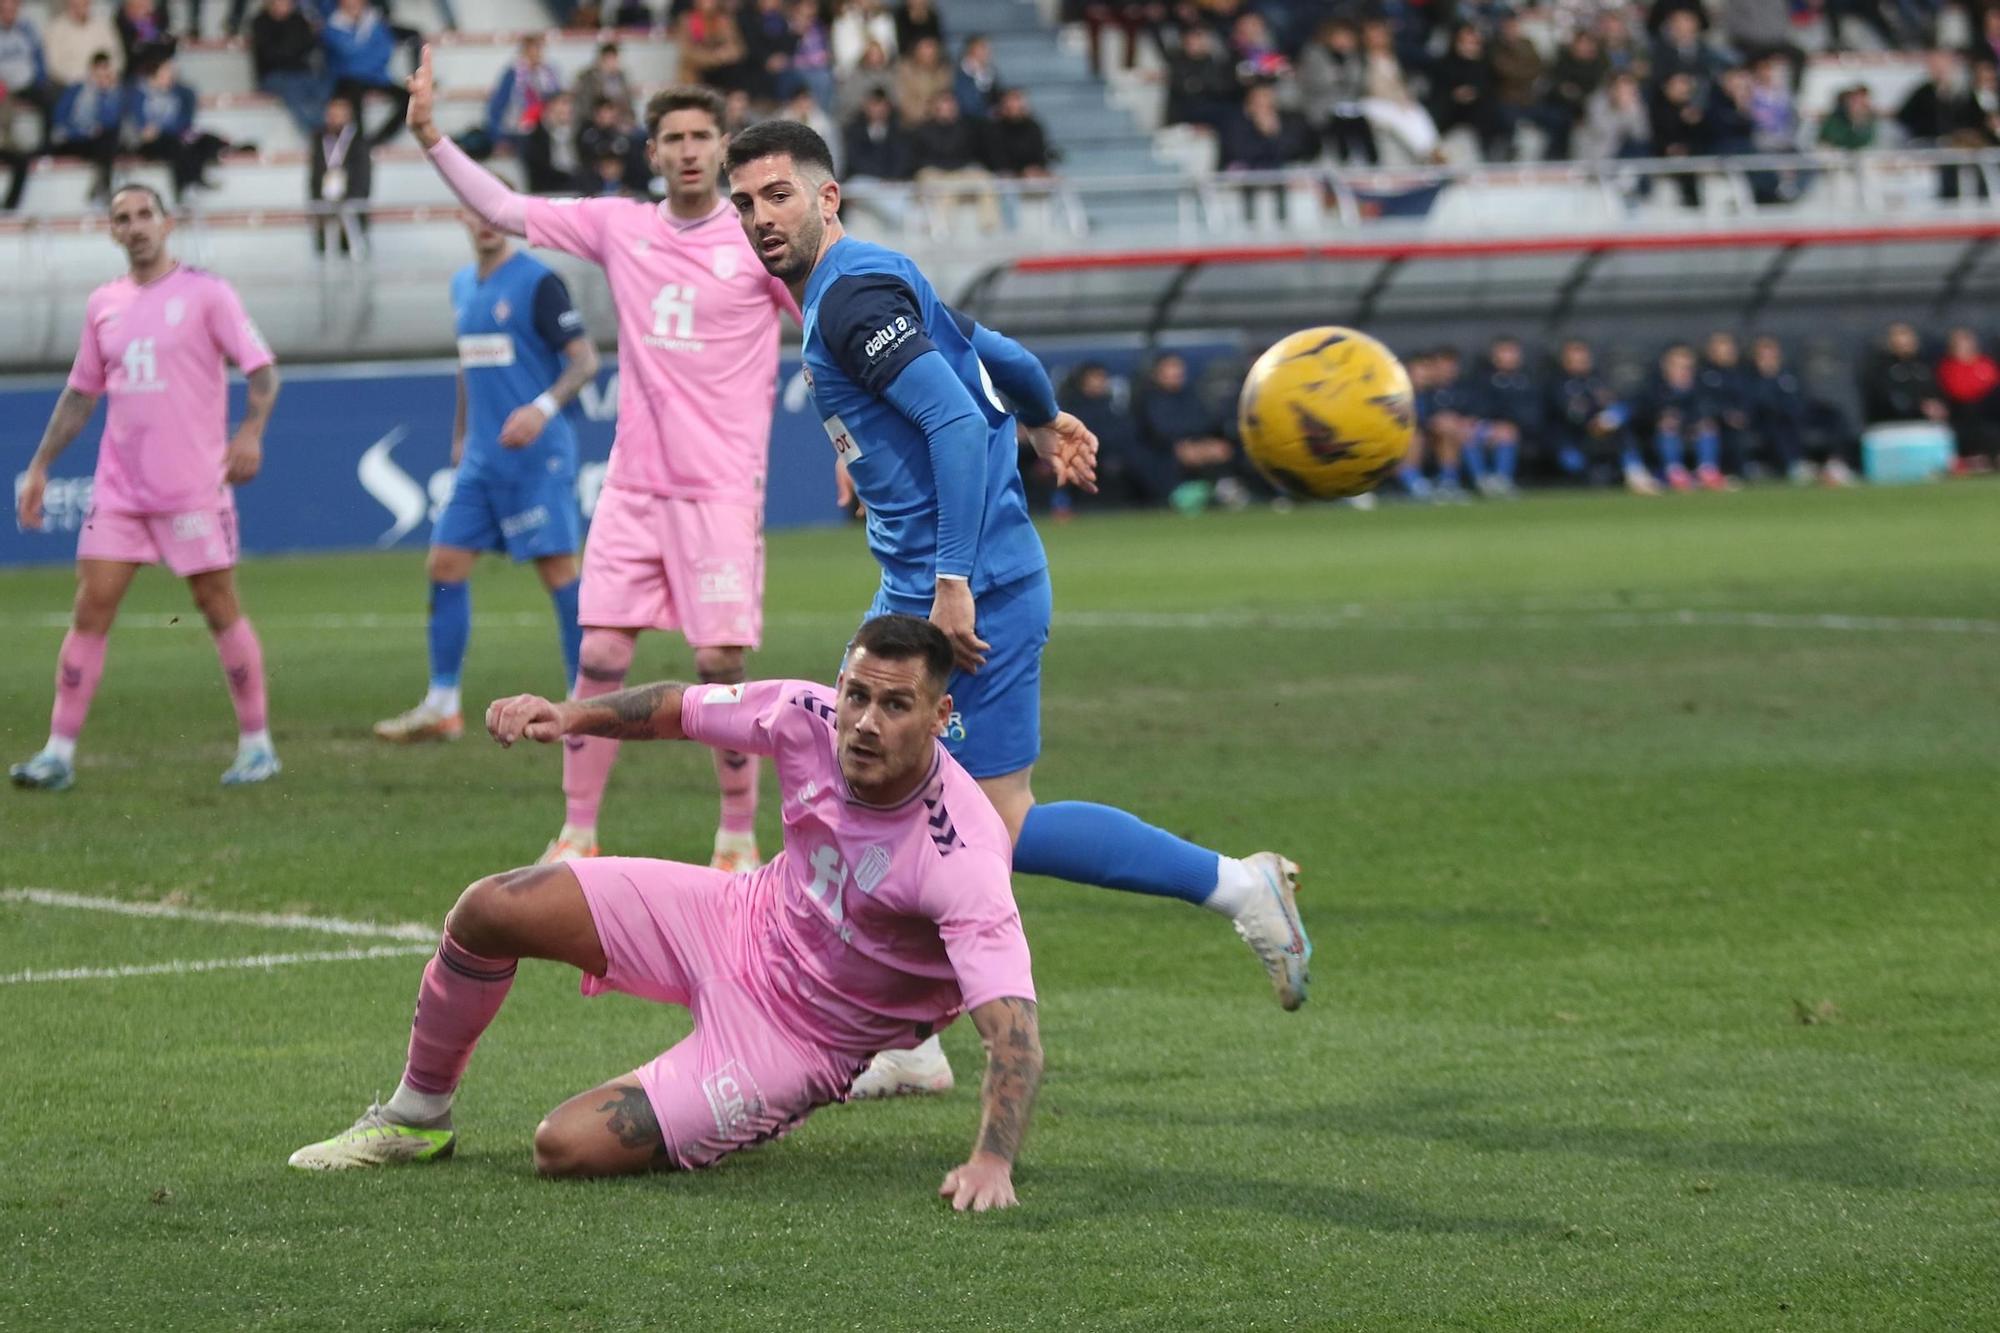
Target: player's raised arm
{"x": 644, "y": 713}
{"x": 1013, "y": 1039}
{"x": 482, "y": 191}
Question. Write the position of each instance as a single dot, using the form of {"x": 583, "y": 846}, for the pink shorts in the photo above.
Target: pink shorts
{"x": 696, "y": 566}
{"x": 194, "y": 542}
{"x": 683, "y": 934}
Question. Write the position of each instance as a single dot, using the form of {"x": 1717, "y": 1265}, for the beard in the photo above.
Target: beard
{"x": 795, "y": 261}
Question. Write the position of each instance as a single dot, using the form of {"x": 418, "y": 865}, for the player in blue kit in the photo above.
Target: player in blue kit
{"x": 522, "y": 357}
{"x": 910, "y": 394}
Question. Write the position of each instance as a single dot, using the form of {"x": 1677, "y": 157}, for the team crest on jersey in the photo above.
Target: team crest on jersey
{"x": 722, "y": 263}
{"x": 871, "y": 868}
{"x": 501, "y": 309}
{"x": 176, "y": 310}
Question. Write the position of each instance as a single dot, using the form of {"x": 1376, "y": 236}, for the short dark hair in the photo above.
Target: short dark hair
{"x": 686, "y": 97}
{"x": 769, "y": 138}
{"x": 608, "y": 49}
{"x": 900, "y": 638}
{"x": 159, "y": 203}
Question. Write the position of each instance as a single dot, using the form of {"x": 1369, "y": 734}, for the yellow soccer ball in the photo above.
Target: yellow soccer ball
{"x": 1327, "y": 413}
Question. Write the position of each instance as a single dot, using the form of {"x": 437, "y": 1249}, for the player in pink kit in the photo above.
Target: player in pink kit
{"x": 156, "y": 343}
{"x": 677, "y": 540}
{"x": 887, "y": 914}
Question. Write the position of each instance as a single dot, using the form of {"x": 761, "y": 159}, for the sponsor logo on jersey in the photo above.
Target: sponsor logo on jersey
{"x": 526, "y": 521}
{"x": 733, "y": 1098}
{"x": 845, "y": 446}
{"x": 192, "y": 526}
{"x": 954, "y": 727}
{"x": 485, "y": 351}
{"x": 719, "y": 581}
{"x": 888, "y": 337}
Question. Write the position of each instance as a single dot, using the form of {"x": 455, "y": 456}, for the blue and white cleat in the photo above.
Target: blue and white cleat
{"x": 254, "y": 765}
{"x": 1270, "y": 925}
{"x": 45, "y": 772}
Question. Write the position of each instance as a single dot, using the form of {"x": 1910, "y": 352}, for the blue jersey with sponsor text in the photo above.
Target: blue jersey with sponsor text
{"x": 868, "y": 313}
{"x": 512, "y": 327}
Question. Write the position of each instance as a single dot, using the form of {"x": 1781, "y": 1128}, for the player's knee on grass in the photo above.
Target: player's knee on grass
{"x": 606, "y": 656}
{"x": 719, "y": 666}
{"x": 608, "y": 1131}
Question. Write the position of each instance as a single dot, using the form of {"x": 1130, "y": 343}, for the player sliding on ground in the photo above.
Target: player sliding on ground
{"x": 155, "y": 342}
{"x": 523, "y": 356}
{"x": 902, "y": 382}
{"x": 887, "y": 914}
{"x": 677, "y": 540}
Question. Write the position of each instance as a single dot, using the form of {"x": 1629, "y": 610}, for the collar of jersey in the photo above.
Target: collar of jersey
{"x": 823, "y": 273}
{"x": 916, "y": 793}
{"x": 682, "y": 226}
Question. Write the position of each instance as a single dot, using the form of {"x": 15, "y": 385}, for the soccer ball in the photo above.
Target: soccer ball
{"x": 1327, "y": 413}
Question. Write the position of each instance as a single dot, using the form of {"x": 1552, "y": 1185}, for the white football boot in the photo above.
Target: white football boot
{"x": 923, "y": 1069}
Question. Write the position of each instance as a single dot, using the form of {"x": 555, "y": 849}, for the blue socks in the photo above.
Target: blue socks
{"x": 1708, "y": 449}
{"x": 1671, "y": 452}
{"x": 1095, "y": 844}
{"x": 1504, "y": 459}
{"x": 450, "y": 629}
{"x": 572, "y": 633}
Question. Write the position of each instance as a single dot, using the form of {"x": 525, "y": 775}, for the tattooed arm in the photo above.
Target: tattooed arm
{"x": 72, "y": 414}
{"x": 246, "y": 447}
{"x": 1013, "y": 1075}
{"x": 644, "y": 713}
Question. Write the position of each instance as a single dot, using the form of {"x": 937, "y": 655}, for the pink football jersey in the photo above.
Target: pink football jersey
{"x": 884, "y": 923}
{"x": 697, "y": 342}
{"x": 157, "y": 352}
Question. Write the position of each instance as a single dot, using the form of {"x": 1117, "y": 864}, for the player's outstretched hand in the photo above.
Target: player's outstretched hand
{"x": 28, "y": 501}
{"x": 952, "y": 611}
{"x": 524, "y": 717}
{"x": 423, "y": 96}
{"x": 244, "y": 459}
{"x": 523, "y": 427}
{"x": 1068, "y": 446}
{"x": 984, "y": 1183}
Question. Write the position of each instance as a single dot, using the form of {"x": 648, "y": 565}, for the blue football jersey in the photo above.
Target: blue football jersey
{"x": 512, "y": 328}
{"x": 868, "y": 315}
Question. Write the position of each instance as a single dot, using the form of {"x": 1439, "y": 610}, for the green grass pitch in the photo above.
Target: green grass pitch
{"x": 1650, "y": 853}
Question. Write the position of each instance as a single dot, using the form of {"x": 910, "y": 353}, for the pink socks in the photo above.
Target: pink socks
{"x": 461, "y": 993}
{"x": 243, "y": 668}
{"x": 736, "y": 774}
{"x": 79, "y": 666}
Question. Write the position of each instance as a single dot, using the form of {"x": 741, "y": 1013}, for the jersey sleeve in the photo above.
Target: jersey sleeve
{"x": 235, "y": 332}
{"x": 872, "y": 327}
{"x": 86, "y": 373}
{"x": 557, "y": 320}
{"x": 573, "y": 226}
{"x": 746, "y": 717}
{"x": 971, "y": 900}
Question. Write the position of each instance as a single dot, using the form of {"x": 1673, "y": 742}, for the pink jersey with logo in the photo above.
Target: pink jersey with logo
{"x": 882, "y": 923}
{"x": 157, "y": 352}
{"x": 697, "y": 342}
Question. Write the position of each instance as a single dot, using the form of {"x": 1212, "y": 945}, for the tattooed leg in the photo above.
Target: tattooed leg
{"x": 608, "y": 1131}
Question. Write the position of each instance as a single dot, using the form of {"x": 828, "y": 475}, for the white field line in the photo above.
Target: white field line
{"x": 1420, "y": 620}
{"x": 325, "y": 925}
{"x": 185, "y": 967}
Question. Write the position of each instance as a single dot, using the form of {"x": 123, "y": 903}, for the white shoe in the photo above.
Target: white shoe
{"x": 1270, "y": 925}
{"x": 258, "y": 764}
{"x": 1640, "y": 482}
{"x": 422, "y": 723}
{"x": 905, "y": 1073}
{"x": 376, "y": 1140}
{"x": 572, "y": 844}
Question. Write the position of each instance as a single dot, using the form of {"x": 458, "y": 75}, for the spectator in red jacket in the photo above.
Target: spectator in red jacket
{"x": 1969, "y": 378}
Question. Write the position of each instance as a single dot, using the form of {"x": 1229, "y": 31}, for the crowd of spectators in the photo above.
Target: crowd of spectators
{"x": 1706, "y": 417}
{"x": 1563, "y": 80}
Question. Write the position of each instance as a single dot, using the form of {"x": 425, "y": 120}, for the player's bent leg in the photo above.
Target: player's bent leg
{"x": 448, "y": 630}
{"x": 735, "y": 775}
{"x": 605, "y": 658}
{"x": 100, "y": 587}
{"x": 538, "y": 912}
{"x": 611, "y": 1130}
{"x": 242, "y": 657}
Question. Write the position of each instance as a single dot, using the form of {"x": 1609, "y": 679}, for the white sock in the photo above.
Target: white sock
{"x": 1236, "y": 886}
{"x": 253, "y": 740}
{"x": 417, "y": 1108}
{"x": 443, "y": 698}
{"x": 63, "y": 748}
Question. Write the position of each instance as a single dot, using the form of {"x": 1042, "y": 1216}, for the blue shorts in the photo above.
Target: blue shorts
{"x": 996, "y": 715}
{"x": 528, "y": 517}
